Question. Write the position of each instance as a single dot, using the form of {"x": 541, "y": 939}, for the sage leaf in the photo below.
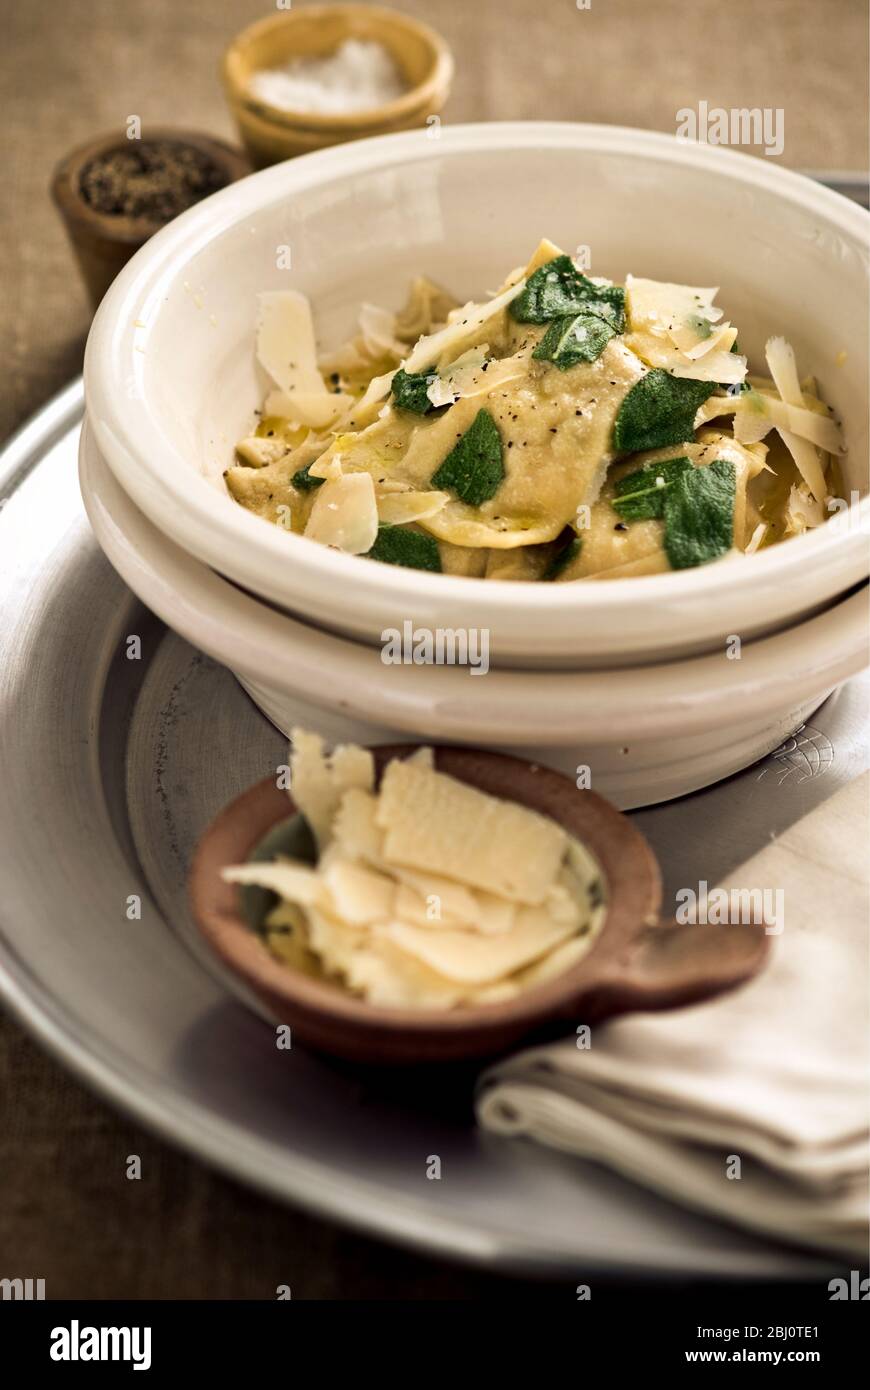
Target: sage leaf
{"x": 577, "y": 338}
{"x": 474, "y": 468}
{"x": 659, "y": 410}
{"x": 699, "y": 515}
{"x": 558, "y": 288}
{"x": 396, "y": 545}
{"x": 640, "y": 496}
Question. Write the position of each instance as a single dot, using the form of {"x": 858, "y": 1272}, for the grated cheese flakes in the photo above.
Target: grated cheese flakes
{"x": 345, "y": 514}
{"x": 463, "y": 833}
{"x": 494, "y": 892}
{"x": 475, "y": 959}
{"x": 285, "y": 342}
{"x": 318, "y": 783}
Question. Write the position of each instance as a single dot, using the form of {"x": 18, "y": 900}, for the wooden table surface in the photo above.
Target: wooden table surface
{"x": 67, "y": 1213}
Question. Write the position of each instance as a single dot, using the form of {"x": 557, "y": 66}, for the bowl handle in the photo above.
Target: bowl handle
{"x": 670, "y": 965}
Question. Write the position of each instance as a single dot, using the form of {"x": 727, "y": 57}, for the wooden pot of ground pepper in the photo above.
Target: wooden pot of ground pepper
{"x": 114, "y": 193}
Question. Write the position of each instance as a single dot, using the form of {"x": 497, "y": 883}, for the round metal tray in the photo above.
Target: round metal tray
{"x": 115, "y": 755}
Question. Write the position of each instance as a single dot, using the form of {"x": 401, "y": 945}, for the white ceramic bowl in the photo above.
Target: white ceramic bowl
{"x": 647, "y": 734}
{"x": 171, "y": 378}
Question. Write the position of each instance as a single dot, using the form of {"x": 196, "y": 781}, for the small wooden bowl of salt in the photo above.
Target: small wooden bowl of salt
{"x": 302, "y": 80}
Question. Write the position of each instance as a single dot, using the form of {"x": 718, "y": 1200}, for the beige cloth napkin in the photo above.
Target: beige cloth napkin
{"x": 775, "y": 1074}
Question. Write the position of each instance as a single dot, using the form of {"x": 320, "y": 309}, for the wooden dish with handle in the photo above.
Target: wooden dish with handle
{"x": 635, "y": 962}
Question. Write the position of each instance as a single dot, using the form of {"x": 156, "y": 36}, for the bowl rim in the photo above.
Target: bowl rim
{"x": 132, "y": 439}
{"x": 433, "y": 85}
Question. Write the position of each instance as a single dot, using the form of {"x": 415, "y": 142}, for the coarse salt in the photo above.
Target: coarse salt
{"x": 358, "y": 76}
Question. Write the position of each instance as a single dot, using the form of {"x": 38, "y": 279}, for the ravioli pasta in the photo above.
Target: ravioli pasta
{"x": 565, "y": 429}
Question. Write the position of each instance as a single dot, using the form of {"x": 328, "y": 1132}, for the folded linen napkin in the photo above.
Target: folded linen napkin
{"x": 775, "y": 1074}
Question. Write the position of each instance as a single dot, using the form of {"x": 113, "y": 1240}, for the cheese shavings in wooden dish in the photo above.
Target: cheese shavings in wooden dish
{"x": 421, "y": 892}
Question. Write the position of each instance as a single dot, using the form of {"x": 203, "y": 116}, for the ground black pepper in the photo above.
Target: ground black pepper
{"x": 152, "y": 179}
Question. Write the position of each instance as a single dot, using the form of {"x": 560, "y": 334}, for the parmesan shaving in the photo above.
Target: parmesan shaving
{"x": 427, "y": 305}
{"x": 352, "y": 768}
{"x": 555, "y": 963}
{"x": 359, "y": 896}
{"x": 757, "y": 413}
{"x": 714, "y": 407}
{"x": 471, "y": 376}
{"x": 285, "y": 342}
{"x": 327, "y": 467}
{"x": 411, "y": 907}
{"x": 390, "y": 978}
{"x": 452, "y": 901}
{"x": 335, "y": 942}
{"x": 672, "y": 326}
{"x": 692, "y": 345}
{"x": 294, "y": 882}
{"x": 476, "y": 960}
{"x": 349, "y": 360}
{"x": 433, "y": 902}
{"x": 728, "y": 368}
{"x": 319, "y": 783}
{"x": 511, "y": 892}
{"x": 315, "y": 410}
{"x": 466, "y": 322}
{"x": 355, "y": 829}
{"x": 496, "y": 916}
{"x": 378, "y": 330}
{"x": 783, "y": 369}
{"x": 456, "y": 379}
{"x": 345, "y": 514}
{"x": 460, "y": 832}
{"x": 378, "y": 388}
{"x": 424, "y": 756}
{"x": 659, "y": 307}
